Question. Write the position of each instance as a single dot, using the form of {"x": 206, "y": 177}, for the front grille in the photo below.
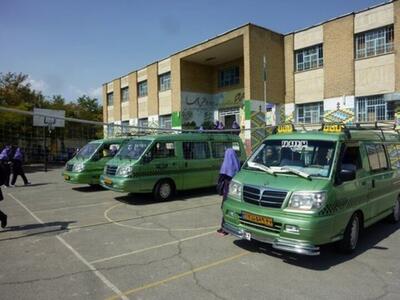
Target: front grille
{"x": 111, "y": 170}
{"x": 263, "y": 197}
{"x": 69, "y": 167}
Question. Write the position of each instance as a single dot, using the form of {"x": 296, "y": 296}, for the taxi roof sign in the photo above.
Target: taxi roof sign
{"x": 332, "y": 127}
{"x": 285, "y": 128}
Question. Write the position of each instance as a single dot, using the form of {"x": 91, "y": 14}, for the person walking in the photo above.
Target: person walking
{"x": 18, "y": 169}
{"x": 236, "y": 128}
{"x": 3, "y": 216}
{"x": 5, "y": 163}
{"x": 229, "y": 168}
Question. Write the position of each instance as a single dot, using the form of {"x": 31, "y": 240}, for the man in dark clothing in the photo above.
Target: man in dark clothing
{"x": 18, "y": 160}
{"x": 5, "y": 163}
{"x": 3, "y": 216}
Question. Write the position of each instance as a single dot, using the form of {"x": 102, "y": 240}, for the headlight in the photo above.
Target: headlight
{"x": 235, "y": 190}
{"x": 307, "y": 201}
{"x": 78, "y": 167}
{"x": 124, "y": 171}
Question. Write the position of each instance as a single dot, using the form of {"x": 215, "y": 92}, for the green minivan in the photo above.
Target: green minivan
{"x": 88, "y": 164}
{"x": 302, "y": 189}
{"x": 162, "y": 164}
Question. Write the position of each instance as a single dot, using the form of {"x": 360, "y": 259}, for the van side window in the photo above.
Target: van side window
{"x": 218, "y": 148}
{"x": 163, "y": 150}
{"x": 376, "y": 156}
{"x": 351, "y": 159}
{"x": 196, "y": 150}
{"x": 394, "y": 155}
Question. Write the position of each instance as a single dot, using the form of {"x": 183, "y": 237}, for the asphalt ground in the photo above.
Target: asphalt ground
{"x": 68, "y": 241}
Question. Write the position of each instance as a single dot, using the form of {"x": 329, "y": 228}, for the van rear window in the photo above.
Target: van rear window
{"x": 196, "y": 150}
{"x": 219, "y": 148}
{"x": 376, "y": 156}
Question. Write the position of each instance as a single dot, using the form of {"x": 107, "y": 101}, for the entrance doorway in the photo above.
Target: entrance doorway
{"x": 228, "y": 116}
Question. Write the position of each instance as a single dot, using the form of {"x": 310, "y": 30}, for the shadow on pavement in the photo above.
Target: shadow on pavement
{"x": 34, "y": 184}
{"x": 329, "y": 256}
{"x": 33, "y": 168}
{"x": 89, "y": 188}
{"x": 37, "y": 229}
{"x": 144, "y": 199}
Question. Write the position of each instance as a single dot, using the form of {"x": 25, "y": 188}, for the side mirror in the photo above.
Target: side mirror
{"x": 347, "y": 175}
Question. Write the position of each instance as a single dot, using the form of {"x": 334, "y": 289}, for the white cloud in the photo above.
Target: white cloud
{"x": 38, "y": 85}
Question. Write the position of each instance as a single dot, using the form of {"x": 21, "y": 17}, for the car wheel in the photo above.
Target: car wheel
{"x": 394, "y": 217}
{"x": 163, "y": 190}
{"x": 351, "y": 235}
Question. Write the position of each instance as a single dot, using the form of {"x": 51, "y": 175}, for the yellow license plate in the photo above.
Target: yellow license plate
{"x": 258, "y": 219}
{"x": 107, "y": 181}
{"x": 66, "y": 177}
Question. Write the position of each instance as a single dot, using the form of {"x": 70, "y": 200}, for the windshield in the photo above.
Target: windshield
{"x": 301, "y": 157}
{"x": 88, "y": 150}
{"x": 133, "y": 149}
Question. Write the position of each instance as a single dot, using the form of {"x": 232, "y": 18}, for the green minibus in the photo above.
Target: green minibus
{"x": 88, "y": 164}
{"x": 303, "y": 189}
{"x": 162, "y": 164}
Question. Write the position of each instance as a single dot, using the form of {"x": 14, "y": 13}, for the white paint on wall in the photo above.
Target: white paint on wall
{"x": 309, "y": 86}
{"x": 124, "y": 82}
{"x": 110, "y": 87}
{"x": 133, "y": 122}
{"x": 247, "y": 133}
{"x": 165, "y": 102}
{"x": 110, "y": 114}
{"x": 153, "y": 121}
{"x": 375, "y": 75}
{"x": 374, "y": 18}
{"x": 342, "y": 102}
{"x": 125, "y": 110}
{"x": 142, "y": 75}
{"x": 164, "y": 66}
{"x": 309, "y": 37}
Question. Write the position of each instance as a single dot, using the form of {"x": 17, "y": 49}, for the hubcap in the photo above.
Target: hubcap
{"x": 354, "y": 232}
{"x": 396, "y": 211}
{"x": 165, "y": 190}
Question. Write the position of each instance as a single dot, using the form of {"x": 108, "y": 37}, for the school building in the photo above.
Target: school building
{"x": 344, "y": 69}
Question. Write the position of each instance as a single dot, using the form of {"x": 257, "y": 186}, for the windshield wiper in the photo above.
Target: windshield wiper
{"x": 296, "y": 172}
{"x": 260, "y": 167}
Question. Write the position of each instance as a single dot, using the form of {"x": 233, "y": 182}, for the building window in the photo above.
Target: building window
{"x": 165, "y": 121}
{"x": 310, "y": 113}
{"x": 164, "y": 82}
{"x": 309, "y": 58}
{"x": 374, "y": 42}
{"x": 143, "y": 122}
{"x": 110, "y": 99}
{"x": 125, "y": 94}
{"x": 374, "y": 108}
{"x": 229, "y": 76}
{"x": 125, "y": 126}
{"x": 142, "y": 88}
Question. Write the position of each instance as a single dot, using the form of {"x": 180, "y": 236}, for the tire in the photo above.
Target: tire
{"x": 394, "y": 217}
{"x": 164, "y": 190}
{"x": 351, "y": 235}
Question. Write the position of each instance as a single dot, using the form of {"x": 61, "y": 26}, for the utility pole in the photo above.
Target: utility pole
{"x": 265, "y": 87}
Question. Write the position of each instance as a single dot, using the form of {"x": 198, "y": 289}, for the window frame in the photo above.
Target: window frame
{"x": 153, "y": 147}
{"x": 164, "y": 82}
{"x": 165, "y": 119}
{"x": 226, "y": 145}
{"x": 381, "y": 168}
{"x": 142, "y": 89}
{"x": 376, "y": 104}
{"x": 310, "y": 109}
{"x": 229, "y": 76}
{"x": 125, "y": 91}
{"x": 110, "y": 96}
{"x": 311, "y": 58}
{"x": 370, "y": 43}
{"x": 208, "y": 150}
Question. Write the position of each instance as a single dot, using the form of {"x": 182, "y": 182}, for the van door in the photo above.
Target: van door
{"x": 165, "y": 162}
{"x": 198, "y": 168}
{"x": 353, "y": 193}
{"x": 381, "y": 192}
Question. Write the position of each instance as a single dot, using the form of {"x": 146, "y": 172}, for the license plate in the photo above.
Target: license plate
{"x": 266, "y": 221}
{"x": 107, "y": 181}
{"x": 66, "y": 177}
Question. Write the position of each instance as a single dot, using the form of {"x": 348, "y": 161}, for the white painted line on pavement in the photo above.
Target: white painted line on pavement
{"x": 70, "y": 207}
{"x": 152, "y": 247}
{"x": 107, "y": 282}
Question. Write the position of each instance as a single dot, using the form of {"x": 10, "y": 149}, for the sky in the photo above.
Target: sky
{"x": 72, "y": 47}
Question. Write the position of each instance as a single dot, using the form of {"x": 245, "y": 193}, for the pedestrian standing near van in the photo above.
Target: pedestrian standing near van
{"x": 18, "y": 169}
{"x": 5, "y": 164}
{"x": 229, "y": 168}
{"x": 236, "y": 128}
{"x": 3, "y": 216}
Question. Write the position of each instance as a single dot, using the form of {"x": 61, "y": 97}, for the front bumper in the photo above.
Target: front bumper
{"x": 277, "y": 243}
{"x": 82, "y": 177}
